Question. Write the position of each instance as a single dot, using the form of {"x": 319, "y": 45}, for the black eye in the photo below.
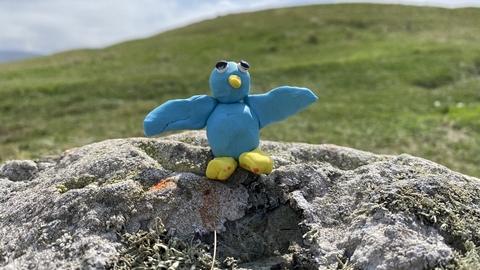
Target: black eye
{"x": 243, "y": 66}
{"x": 221, "y": 66}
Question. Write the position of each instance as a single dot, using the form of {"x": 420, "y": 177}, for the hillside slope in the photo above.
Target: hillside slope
{"x": 390, "y": 79}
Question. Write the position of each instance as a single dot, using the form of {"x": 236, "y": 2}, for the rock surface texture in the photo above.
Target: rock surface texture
{"x": 323, "y": 207}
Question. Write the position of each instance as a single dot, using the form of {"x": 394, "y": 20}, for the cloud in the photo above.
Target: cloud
{"x": 438, "y": 3}
{"x": 54, "y": 25}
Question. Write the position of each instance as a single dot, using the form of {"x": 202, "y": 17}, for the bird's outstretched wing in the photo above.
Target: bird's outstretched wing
{"x": 280, "y": 103}
{"x": 179, "y": 114}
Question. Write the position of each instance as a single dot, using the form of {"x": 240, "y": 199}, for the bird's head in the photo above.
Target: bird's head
{"x": 230, "y": 81}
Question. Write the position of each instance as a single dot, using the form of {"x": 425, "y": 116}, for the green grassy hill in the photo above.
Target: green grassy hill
{"x": 390, "y": 79}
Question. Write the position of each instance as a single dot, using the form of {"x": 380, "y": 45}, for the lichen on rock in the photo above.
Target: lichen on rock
{"x": 153, "y": 249}
{"x": 322, "y": 207}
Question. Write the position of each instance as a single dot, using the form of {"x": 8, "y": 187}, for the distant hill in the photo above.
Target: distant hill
{"x": 10, "y": 56}
{"x": 390, "y": 79}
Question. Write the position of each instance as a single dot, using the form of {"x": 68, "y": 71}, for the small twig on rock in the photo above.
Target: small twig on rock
{"x": 214, "y": 248}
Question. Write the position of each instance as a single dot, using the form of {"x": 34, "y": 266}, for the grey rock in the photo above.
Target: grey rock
{"x": 18, "y": 170}
{"x": 321, "y": 207}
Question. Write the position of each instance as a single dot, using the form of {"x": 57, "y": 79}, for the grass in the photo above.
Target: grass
{"x": 390, "y": 79}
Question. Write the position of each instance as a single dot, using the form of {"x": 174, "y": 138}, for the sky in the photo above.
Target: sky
{"x": 51, "y": 26}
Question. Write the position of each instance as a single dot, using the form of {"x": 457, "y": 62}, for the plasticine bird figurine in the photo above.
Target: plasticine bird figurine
{"x": 233, "y": 118}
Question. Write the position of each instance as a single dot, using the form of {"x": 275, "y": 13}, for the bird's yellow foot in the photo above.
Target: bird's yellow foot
{"x": 256, "y": 161}
{"x": 221, "y": 168}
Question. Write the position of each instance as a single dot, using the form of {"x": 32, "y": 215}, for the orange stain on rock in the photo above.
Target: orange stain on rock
{"x": 162, "y": 184}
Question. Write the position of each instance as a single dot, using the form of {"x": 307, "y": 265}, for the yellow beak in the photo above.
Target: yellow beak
{"x": 235, "y": 81}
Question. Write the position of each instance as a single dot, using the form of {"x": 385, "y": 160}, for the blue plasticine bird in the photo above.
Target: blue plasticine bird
{"x": 233, "y": 118}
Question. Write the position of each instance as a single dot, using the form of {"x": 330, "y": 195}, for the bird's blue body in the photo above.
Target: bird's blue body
{"x": 232, "y": 129}
{"x": 233, "y": 117}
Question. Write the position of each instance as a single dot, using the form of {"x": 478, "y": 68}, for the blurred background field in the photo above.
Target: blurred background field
{"x": 390, "y": 79}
